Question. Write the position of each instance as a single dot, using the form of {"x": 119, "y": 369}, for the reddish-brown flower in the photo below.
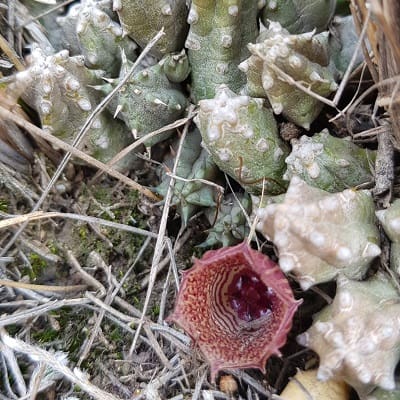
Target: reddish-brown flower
{"x": 237, "y": 306}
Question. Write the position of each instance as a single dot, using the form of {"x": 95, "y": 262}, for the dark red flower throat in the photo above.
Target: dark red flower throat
{"x": 249, "y": 297}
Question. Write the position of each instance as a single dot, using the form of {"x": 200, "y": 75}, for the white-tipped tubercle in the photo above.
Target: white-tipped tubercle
{"x": 306, "y": 282}
{"x": 345, "y": 300}
{"x": 367, "y": 346}
{"x": 277, "y": 108}
{"x": 371, "y": 250}
{"x": 364, "y": 375}
{"x": 343, "y": 253}
{"x": 303, "y": 339}
{"x": 324, "y": 373}
{"x": 353, "y": 359}
{"x": 317, "y": 239}
{"x": 395, "y": 225}
{"x": 193, "y": 16}
{"x": 233, "y": 10}
{"x": 286, "y": 263}
{"x": 336, "y": 339}
{"x": 386, "y": 382}
{"x": 323, "y": 327}
{"x": 281, "y": 239}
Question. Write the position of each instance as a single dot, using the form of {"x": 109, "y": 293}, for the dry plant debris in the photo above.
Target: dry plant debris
{"x": 134, "y": 135}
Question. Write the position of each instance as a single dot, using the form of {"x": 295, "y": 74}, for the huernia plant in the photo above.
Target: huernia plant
{"x": 299, "y": 16}
{"x": 218, "y": 35}
{"x": 357, "y": 336}
{"x": 343, "y": 39}
{"x": 279, "y": 58}
{"x": 229, "y": 220}
{"x": 100, "y": 38}
{"x": 141, "y": 20}
{"x": 194, "y": 165}
{"x": 329, "y": 163}
{"x": 242, "y": 136}
{"x": 321, "y": 235}
{"x": 150, "y": 100}
{"x": 60, "y": 89}
{"x": 235, "y": 297}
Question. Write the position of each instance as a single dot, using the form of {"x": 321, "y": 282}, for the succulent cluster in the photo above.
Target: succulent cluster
{"x": 334, "y": 236}
{"x": 329, "y": 163}
{"x": 151, "y": 98}
{"x": 218, "y": 35}
{"x": 97, "y": 36}
{"x": 241, "y": 135}
{"x": 277, "y": 59}
{"x": 229, "y": 224}
{"x": 245, "y": 78}
{"x": 60, "y": 89}
{"x": 357, "y": 336}
{"x": 324, "y": 236}
{"x": 194, "y": 165}
{"x": 299, "y": 16}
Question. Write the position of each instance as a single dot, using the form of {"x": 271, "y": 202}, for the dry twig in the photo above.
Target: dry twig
{"x": 76, "y": 376}
{"x": 161, "y": 236}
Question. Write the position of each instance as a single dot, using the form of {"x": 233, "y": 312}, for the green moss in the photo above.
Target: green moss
{"x": 117, "y": 335}
{"x": 86, "y": 241}
{"x": 133, "y": 290}
{"x": 69, "y": 336}
{"x": 125, "y": 245}
{"x": 13, "y": 329}
{"x": 133, "y": 196}
{"x": 77, "y": 389}
{"x": 46, "y": 335}
{"x": 155, "y": 311}
{"x": 3, "y": 205}
{"x": 38, "y": 265}
{"x": 83, "y": 232}
{"x": 53, "y": 248}
{"x": 72, "y": 329}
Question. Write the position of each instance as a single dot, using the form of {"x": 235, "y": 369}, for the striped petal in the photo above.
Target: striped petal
{"x": 237, "y": 306}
